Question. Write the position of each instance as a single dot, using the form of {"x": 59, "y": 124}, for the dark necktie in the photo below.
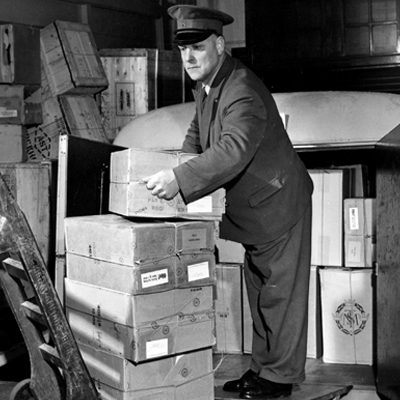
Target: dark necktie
{"x": 203, "y": 96}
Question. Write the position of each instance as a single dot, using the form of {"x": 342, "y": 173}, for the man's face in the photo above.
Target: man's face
{"x": 200, "y": 60}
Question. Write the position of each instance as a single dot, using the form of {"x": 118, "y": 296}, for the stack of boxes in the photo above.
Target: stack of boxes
{"x": 71, "y": 74}
{"x": 341, "y": 276}
{"x": 343, "y": 256}
{"x": 139, "y": 290}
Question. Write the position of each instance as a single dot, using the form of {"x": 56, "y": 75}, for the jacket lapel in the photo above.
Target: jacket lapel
{"x": 207, "y": 115}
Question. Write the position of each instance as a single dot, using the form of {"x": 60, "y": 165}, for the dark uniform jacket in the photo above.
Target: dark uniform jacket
{"x": 245, "y": 149}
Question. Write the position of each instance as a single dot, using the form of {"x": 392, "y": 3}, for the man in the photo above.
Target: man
{"x": 243, "y": 146}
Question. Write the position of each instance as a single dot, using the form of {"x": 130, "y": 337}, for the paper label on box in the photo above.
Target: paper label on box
{"x": 194, "y": 238}
{"x": 4, "y": 113}
{"x": 203, "y": 205}
{"x": 353, "y": 219}
{"x": 154, "y": 278}
{"x": 157, "y": 348}
{"x": 354, "y": 251}
{"x": 198, "y": 271}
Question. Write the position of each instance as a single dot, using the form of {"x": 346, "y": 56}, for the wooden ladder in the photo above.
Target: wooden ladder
{"x": 58, "y": 371}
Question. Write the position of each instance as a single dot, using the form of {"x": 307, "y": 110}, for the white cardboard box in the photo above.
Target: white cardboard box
{"x": 130, "y": 197}
{"x": 228, "y": 309}
{"x": 125, "y": 375}
{"x": 229, "y": 251}
{"x": 116, "y": 239}
{"x": 360, "y": 232}
{"x": 141, "y": 327}
{"x": 113, "y": 238}
{"x": 198, "y": 389}
{"x": 331, "y": 187}
{"x": 186, "y": 270}
{"x": 133, "y": 199}
{"x": 347, "y": 315}
{"x": 187, "y": 333}
{"x": 140, "y": 279}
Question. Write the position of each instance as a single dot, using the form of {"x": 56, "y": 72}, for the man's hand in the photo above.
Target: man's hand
{"x": 162, "y": 184}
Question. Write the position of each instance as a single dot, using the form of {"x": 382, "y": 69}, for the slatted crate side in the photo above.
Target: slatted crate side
{"x": 140, "y": 80}
{"x": 70, "y": 59}
{"x": 12, "y": 110}
{"x": 83, "y": 117}
{"x": 12, "y": 143}
{"x": 30, "y": 184}
{"x": 19, "y": 58}
{"x": 54, "y": 64}
{"x": 81, "y": 54}
{"x": 42, "y": 142}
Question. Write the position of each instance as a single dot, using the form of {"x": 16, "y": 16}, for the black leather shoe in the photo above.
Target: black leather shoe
{"x": 265, "y": 389}
{"x": 248, "y": 379}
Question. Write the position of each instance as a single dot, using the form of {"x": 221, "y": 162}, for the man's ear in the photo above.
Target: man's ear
{"x": 220, "y": 45}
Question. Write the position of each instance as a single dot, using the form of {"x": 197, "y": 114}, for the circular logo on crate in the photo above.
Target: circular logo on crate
{"x": 185, "y": 372}
{"x": 350, "y": 317}
{"x": 154, "y": 325}
{"x": 166, "y": 330}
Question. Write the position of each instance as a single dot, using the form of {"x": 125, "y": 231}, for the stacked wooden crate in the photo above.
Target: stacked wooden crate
{"x": 139, "y": 290}
{"x": 140, "y": 80}
{"x": 71, "y": 74}
{"x": 19, "y": 76}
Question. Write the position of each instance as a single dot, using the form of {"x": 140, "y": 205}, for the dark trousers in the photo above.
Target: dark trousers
{"x": 277, "y": 277}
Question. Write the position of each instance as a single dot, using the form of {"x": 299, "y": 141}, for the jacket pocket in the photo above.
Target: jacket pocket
{"x": 265, "y": 192}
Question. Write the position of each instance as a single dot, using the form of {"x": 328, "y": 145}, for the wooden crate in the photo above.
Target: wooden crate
{"x": 74, "y": 115}
{"x": 140, "y": 80}
{"x": 31, "y": 184}
{"x": 12, "y": 143}
{"x": 70, "y": 60}
{"x": 15, "y": 110}
{"x": 20, "y": 55}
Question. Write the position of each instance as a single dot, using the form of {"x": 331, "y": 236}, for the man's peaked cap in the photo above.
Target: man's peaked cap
{"x": 195, "y": 24}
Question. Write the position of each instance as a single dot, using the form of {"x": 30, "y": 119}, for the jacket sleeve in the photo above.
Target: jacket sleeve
{"x": 241, "y": 121}
{"x": 191, "y": 143}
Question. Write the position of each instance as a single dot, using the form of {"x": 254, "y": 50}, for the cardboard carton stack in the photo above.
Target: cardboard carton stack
{"x": 139, "y": 295}
{"x": 71, "y": 74}
{"x": 343, "y": 255}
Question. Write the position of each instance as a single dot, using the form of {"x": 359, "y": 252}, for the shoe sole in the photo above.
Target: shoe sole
{"x": 275, "y": 396}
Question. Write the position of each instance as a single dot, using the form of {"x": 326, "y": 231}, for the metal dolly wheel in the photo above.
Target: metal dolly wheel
{"x": 58, "y": 371}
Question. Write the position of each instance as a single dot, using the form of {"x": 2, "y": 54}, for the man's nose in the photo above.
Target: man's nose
{"x": 187, "y": 55}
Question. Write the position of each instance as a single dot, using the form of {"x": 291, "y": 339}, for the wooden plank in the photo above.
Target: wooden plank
{"x": 45, "y": 382}
{"x": 78, "y": 383}
{"x": 32, "y": 185}
{"x": 388, "y": 269}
